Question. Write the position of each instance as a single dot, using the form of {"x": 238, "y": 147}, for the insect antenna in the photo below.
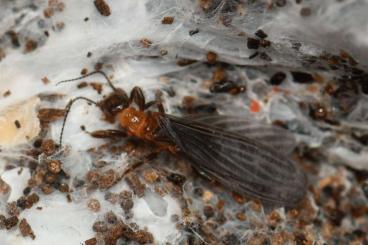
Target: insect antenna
{"x": 90, "y": 74}
{"x": 67, "y": 110}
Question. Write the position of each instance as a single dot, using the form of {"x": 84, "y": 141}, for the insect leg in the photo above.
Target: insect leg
{"x": 109, "y": 133}
{"x": 67, "y": 110}
{"x": 90, "y": 74}
{"x": 137, "y": 96}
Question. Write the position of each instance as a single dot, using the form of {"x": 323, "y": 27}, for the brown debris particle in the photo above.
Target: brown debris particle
{"x": 4, "y": 187}
{"x": 11, "y": 222}
{"x": 97, "y": 87}
{"x": 167, "y": 20}
{"x": 102, "y": 7}
{"x": 241, "y": 216}
{"x": 54, "y": 166}
{"x": 211, "y": 57}
{"x": 84, "y": 71}
{"x": 48, "y": 147}
{"x": 205, "y": 4}
{"x": 47, "y": 189}
{"x": 50, "y": 114}
{"x": 107, "y": 179}
{"x": 92, "y": 241}
{"x": 99, "y": 226}
{"x": 126, "y": 201}
{"x": 146, "y": 43}
{"x": 12, "y": 209}
{"x": 31, "y": 45}
{"x": 45, "y": 80}
{"x": 94, "y": 205}
{"x": 185, "y": 62}
{"x": 7, "y": 93}
{"x": 136, "y": 185}
{"x": 17, "y": 124}
{"x": 26, "y": 229}
{"x": 150, "y": 176}
{"x": 82, "y": 85}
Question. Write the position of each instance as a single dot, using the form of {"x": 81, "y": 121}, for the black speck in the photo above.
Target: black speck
{"x": 253, "y": 43}
{"x": 17, "y": 124}
{"x": 261, "y": 34}
{"x": 277, "y": 78}
{"x": 193, "y": 32}
{"x": 302, "y": 77}
{"x": 253, "y": 55}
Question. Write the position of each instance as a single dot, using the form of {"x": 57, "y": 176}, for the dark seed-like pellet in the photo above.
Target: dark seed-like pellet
{"x": 261, "y": 34}
{"x": 302, "y": 77}
{"x": 277, "y": 78}
{"x": 253, "y": 43}
{"x": 102, "y": 7}
{"x": 17, "y": 124}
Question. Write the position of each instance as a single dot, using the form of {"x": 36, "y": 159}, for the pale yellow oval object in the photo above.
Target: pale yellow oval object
{"x": 25, "y": 112}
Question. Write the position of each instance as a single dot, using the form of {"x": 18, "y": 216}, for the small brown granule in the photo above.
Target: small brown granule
{"x": 146, "y": 43}
{"x": 208, "y": 211}
{"x": 26, "y": 229}
{"x": 48, "y": 147}
{"x": 50, "y": 114}
{"x": 99, "y": 226}
{"x": 241, "y": 216}
{"x": 305, "y": 12}
{"x": 185, "y": 62}
{"x": 45, "y": 80}
{"x": 47, "y": 189}
{"x": 48, "y": 12}
{"x": 33, "y": 198}
{"x": 4, "y": 187}
{"x": 143, "y": 237}
{"x": 31, "y": 45}
{"x": 277, "y": 78}
{"x": 281, "y": 3}
{"x": 211, "y": 57}
{"x": 59, "y": 25}
{"x": 64, "y": 188}
{"x": 84, "y": 71}
{"x": 11, "y": 222}
{"x": 107, "y": 179}
{"x": 150, "y": 176}
{"x": 94, "y": 205}
{"x": 23, "y": 203}
{"x": 7, "y": 93}
{"x": 12, "y": 209}
{"x": 91, "y": 241}
{"x": 111, "y": 197}
{"x": 54, "y": 166}
{"x": 205, "y": 4}
{"x": 256, "y": 206}
{"x": 102, "y": 7}
{"x": 111, "y": 218}
{"x": 167, "y": 20}
{"x": 126, "y": 201}
{"x": 98, "y": 66}
{"x": 136, "y": 185}
{"x": 97, "y": 87}
{"x": 82, "y": 85}
{"x": 238, "y": 198}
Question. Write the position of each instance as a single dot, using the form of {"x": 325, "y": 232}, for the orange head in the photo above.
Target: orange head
{"x": 138, "y": 123}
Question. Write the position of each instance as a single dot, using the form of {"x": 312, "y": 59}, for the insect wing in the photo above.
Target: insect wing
{"x": 278, "y": 138}
{"x": 242, "y": 164}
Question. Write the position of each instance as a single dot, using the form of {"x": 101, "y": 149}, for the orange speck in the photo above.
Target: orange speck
{"x": 255, "y": 106}
{"x": 312, "y": 89}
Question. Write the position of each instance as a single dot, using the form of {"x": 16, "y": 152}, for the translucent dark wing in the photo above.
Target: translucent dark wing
{"x": 275, "y": 137}
{"x": 242, "y": 164}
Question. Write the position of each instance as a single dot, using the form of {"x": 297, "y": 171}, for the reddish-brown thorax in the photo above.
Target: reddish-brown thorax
{"x": 142, "y": 125}
{"x": 138, "y": 123}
